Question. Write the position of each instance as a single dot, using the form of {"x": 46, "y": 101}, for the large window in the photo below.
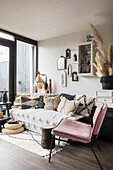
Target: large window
{"x": 26, "y": 67}
{"x": 4, "y": 69}
{"x": 18, "y": 64}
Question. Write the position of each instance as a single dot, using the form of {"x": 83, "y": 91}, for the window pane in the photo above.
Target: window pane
{"x": 26, "y": 70}
{"x": 4, "y": 69}
{"x": 6, "y": 36}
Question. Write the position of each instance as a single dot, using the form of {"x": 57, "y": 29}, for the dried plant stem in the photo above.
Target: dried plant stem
{"x": 104, "y": 62}
{"x": 95, "y": 34}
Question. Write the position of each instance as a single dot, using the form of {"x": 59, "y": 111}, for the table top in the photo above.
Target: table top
{"x": 4, "y": 118}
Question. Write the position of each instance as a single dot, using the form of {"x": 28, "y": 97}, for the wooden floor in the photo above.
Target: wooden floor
{"x": 73, "y": 157}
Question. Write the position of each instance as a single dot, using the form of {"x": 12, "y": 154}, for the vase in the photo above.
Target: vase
{"x": 107, "y": 82}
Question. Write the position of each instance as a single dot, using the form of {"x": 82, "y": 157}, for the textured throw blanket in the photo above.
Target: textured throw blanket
{"x": 35, "y": 119}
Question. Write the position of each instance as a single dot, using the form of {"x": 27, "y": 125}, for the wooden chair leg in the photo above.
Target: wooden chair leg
{"x": 53, "y": 138}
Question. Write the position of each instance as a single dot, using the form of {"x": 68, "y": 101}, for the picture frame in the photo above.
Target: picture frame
{"x": 61, "y": 63}
{"x": 74, "y": 76}
{"x": 74, "y": 56}
{"x": 64, "y": 79}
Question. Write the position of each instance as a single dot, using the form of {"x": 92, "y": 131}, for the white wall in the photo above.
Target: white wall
{"x": 50, "y": 50}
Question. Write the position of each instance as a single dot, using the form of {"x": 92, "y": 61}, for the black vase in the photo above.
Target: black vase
{"x": 5, "y": 96}
{"x": 107, "y": 82}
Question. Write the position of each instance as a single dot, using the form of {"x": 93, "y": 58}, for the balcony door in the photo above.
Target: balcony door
{"x": 7, "y": 68}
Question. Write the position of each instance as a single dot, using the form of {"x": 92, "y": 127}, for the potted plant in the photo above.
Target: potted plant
{"x": 103, "y": 61}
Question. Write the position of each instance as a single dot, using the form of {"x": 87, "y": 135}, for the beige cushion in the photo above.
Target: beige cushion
{"x": 67, "y": 107}
{"x": 13, "y": 126}
{"x": 51, "y": 103}
{"x": 8, "y": 131}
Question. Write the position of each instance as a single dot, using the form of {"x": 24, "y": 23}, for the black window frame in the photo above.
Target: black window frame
{"x": 13, "y": 45}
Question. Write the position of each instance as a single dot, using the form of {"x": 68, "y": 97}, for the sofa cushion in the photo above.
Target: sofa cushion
{"x": 28, "y": 103}
{"x": 86, "y": 105}
{"x": 67, "y": 107}
{"x": 51, "y": 103}
{"x": 68, "y": 96}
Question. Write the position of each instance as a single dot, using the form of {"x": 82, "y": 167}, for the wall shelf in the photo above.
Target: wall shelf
{"x": 85, "y": 57}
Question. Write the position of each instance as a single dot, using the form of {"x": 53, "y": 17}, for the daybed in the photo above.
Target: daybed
{"x": 33, "y": 119}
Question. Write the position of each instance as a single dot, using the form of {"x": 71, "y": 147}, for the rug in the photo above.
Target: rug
{"x": 31, "y": 141}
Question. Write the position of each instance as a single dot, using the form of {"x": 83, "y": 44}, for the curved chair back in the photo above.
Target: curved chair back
{"x": 99, "y": 117}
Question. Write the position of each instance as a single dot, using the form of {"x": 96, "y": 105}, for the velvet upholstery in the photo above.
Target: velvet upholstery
{"x": 79, "y": 131}
{"x": 99, "y": 117}
{"x": 74, "y": 130}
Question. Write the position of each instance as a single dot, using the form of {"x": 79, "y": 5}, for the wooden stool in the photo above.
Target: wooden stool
{"x": 47, "y": 137}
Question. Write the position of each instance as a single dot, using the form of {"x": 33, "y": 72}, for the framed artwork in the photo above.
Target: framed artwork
{"x": 64, "y": 79}
{"x": 74, "y": 56}
{"x": 61, "y": 63}
{"x": 68, "y": 53}
{"x": 69, "y": 70}
{"x": 74, "y": 76}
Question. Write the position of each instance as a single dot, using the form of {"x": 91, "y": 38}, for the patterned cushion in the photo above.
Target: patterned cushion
{"x": 28, "y": 103}
{"x": 68, "y": 107}
{"x": 86, "y": 105}
{"x": 51, "y": 103}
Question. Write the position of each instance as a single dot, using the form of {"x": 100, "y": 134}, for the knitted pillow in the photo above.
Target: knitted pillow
{"x": 51, "y": 103}
{"x": 86, "y": 105}
{"x": 67, "y": 107}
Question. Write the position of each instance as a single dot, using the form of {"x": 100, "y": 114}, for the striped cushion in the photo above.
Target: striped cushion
{"x": 28, "y": 103}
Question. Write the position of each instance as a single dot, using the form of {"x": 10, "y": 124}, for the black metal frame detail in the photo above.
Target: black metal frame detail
{"x": 12, "y": 69}
{"x": 94, "y": 139}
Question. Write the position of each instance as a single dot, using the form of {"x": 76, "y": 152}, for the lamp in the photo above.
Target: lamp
{"x": 40, "y": 83}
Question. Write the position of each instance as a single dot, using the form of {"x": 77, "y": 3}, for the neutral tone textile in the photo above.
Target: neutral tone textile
{"x": 67, "y": 107}
{"x": 9, "y": 131}
{"x": 51, "y": 103}
{"x": 13, "y": 126}
{"x": 34, "y": 119}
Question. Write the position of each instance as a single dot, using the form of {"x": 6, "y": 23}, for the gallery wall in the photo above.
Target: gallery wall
{"x": 50, "y": 50}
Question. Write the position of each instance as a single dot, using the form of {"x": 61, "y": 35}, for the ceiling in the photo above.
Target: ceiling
{"x": 44, "y": 19}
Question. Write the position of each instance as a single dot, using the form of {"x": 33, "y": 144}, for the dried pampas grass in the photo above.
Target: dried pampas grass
{"x": 95, "y": 33}
{"x": 104, "y": 62}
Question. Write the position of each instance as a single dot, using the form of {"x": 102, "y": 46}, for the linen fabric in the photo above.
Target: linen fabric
{"x": 67, "y": 107}
{"x": 51, "y": 103}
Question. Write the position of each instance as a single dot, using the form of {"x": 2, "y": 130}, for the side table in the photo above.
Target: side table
{"x": 5, "y": 117}
{"x": 47, "y": 137}
{"x": 3, "y": 120}
{"x": 7, "y": 104}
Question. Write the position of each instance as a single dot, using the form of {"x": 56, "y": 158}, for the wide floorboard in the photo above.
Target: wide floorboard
{"x": 73, "y": 157}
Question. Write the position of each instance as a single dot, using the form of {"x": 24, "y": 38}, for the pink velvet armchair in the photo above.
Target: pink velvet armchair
{"x": 81, "y": 132}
